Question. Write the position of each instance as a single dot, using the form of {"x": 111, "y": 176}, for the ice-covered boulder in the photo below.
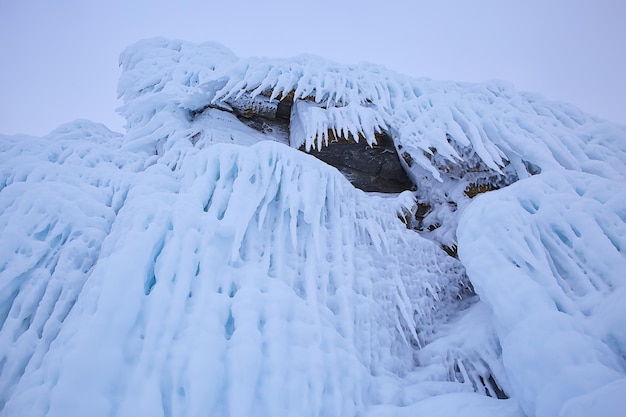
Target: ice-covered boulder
{"x": 201, "y": 262}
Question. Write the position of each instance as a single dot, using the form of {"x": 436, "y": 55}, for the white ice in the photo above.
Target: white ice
{"x": 195, "y": 266}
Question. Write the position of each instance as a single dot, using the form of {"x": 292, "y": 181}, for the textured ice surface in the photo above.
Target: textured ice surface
{"x": 197, "y": 266}
{"x": 448, "y": 134}
{"x": 546, "y": 254}
{"x": 249, "y": 281}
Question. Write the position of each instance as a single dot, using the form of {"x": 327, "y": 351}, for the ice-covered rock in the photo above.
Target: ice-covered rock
{"x": 201, "y": 263}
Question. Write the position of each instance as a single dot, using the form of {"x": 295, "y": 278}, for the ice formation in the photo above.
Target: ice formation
{"x": 196, "y": 265}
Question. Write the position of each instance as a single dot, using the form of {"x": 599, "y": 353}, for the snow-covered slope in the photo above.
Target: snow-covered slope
{"x": 198, "y": 266}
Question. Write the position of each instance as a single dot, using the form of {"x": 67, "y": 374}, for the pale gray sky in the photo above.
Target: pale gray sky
{"x": 60, "y": 58}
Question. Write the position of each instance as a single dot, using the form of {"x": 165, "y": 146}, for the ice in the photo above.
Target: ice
{"x": 59, "y": 198}
{"x": 458, "y": 405}
{"x": 244, "y": 254}
{"x": 447, "y": 133}
{"x": 546, "y": 255}
{"x": 607, "y": 401}
{"x": 197, "y": 265}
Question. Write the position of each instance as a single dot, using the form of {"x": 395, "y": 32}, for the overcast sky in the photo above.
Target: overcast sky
{"x": 59, "y": 59}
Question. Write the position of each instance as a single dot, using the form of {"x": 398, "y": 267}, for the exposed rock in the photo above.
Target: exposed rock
{"x": 473, "y": 189}
{"x": 374, "y": 168}
{"x": 370, "y": 168}
{"x": 261, "y": 106}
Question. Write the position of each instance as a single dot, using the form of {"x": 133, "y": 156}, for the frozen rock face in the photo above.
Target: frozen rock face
{"x": 204, "y": 263}
{"x": 247, "y": 281}
{"x": 371, "y": 167}
{"x": 374, "y": 168}
{"x": 558, "y": 240}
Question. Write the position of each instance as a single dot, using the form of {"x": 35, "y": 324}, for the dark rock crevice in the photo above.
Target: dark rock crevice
{"x": 370, "y": 168}
{"x": 375, "y": 168}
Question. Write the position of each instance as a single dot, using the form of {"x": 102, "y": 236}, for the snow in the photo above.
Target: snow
{"x": 195, "y": 265}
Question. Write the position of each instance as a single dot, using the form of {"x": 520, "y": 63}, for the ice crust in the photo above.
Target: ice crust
{"x": 197, "y": 266}
{"x": 448, "y": 134}
{"x": 546, "y": 254}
